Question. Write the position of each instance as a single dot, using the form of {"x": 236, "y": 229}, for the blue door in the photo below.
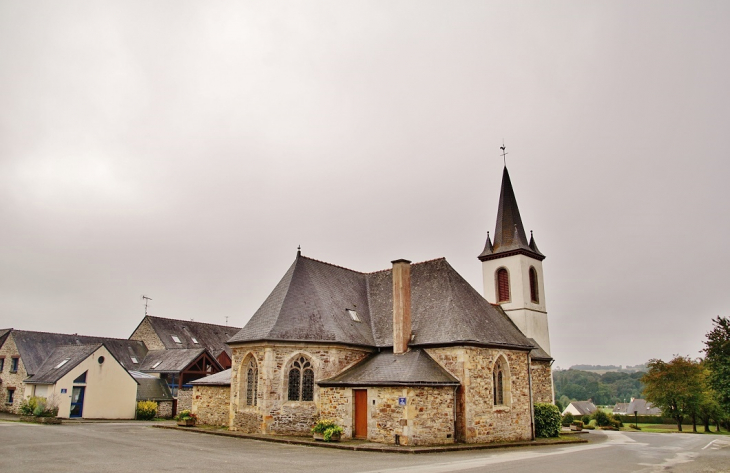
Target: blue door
{"x": 77, "y": 401}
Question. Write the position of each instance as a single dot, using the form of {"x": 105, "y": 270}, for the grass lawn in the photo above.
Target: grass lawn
{"x": 669, "y": 428}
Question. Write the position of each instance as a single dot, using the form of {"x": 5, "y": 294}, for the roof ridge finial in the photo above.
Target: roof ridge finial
{"x": 504, "y": 153}
{"x": 299, "y": 250}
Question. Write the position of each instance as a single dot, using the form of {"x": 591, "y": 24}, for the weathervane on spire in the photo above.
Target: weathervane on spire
{"x": 504, "y": 153}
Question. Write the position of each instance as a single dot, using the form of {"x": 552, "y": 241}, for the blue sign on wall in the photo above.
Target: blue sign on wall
{"x": 401, "y": 401}
{"x": 63, "y": 390}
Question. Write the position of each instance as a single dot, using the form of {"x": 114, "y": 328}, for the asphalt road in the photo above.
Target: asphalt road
{"x": 135, "y": 447}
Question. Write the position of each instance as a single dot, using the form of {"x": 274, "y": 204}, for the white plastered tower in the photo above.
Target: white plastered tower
{"x": 512, "y": 270}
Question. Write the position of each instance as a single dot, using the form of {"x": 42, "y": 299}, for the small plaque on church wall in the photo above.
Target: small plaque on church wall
{"x": 401, "y": 401}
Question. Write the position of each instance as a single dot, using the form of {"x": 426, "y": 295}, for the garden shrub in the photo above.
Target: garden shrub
{"x": 601, "y": 418}
{"x": 38, "y": 407}
{"x": 327, "y": 428}
{"x": 146, "y": 410}
{"x": 586, "y": 419}
{"x": 547, "y": 420}
{"x": 568, "y": 418}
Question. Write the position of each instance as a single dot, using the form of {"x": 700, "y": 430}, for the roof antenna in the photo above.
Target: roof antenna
{"x": 504, "y": 153}
{"x": 145, "y": 303}
{"x": 226, "y": 321}
{"x": 299, "y": 250}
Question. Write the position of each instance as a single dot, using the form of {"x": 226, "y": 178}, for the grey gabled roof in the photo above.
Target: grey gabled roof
{"x": 35, "y": 347}
{"x": 49, "y": 372}
{"x": 169, "y": 361}
{"x": 210, "y": 336}
{"x": 642, "y": 407}
{"x": 413, "y": 368}
{"x": 152, "y": 388}
{"x": 620, "y": 408}
{"x": 219, "y": 379}
{"x": 584, "y": 407}
{"x": 310, "y": 302}
{"x": 509, "y": 234}
{"x": 538, "y": 354}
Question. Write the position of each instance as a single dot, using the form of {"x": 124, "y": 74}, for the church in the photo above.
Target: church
{"x": 409, "y": 355}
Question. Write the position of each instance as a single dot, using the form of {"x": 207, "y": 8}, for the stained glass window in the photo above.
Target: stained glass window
{"x": 252, "y": 381}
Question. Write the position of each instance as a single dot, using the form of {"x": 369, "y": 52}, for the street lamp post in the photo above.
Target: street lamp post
{"x": 636, "y": 419}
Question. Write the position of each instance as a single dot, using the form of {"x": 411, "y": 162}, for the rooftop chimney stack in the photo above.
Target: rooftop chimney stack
{"x": 401, "y": 305}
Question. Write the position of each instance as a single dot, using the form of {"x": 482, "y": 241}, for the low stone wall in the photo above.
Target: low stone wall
{"x": 164, "y": 409}
{"x": 41, "y": 420}
{"x": 211, "y": 404}
{"x": 184, "y": 399}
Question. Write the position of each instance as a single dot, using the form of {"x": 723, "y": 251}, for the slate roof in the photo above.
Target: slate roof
{"x": 35, "y": 347}
{"x": 310, "y": 302}
{"x": 620, "y": 408}
{"x": 643, "y": 408}
{"x": 538, "y": 354}
{"x": 219, "y": 379}
{"x": 49, "y": 372}
{"x": 412, "y": 368}
{"x": 151, "y": 388}
{"x": 170, "y": 361}
{"x": 584, "y": 407}
{"x": 210, "y": 336}
{"x": 509, "y": 234}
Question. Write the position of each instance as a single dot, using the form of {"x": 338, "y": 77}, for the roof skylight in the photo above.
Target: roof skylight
{"x": 156, "y": 364}
{"x": 194, "y": 340}
{"x": 62, "y": 363}
{"x": 353, "y": 315}
{"x": 134, "y": 360}
{"x": 175, "y": 339}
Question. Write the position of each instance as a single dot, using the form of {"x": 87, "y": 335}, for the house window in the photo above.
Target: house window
{"x": 252, "y": 382}
{"x": 534, "y": 294}
{"x": 502, "y": 285}
{"x": 14, "y": 364}
{"x": 11, "y": 395}
{"x": 301, "y": 381}
{"x": 2, "y": 363}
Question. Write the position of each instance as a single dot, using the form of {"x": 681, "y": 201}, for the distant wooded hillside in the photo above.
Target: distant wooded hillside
{"x": 605, "y": 368}
{"x": 604, "y": 389}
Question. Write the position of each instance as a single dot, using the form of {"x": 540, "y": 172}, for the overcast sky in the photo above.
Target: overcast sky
{"x": 183, "y": 150}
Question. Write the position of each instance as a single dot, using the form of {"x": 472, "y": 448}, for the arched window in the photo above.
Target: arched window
{"x": 534, "y": 294}
{"x": 252, "y": 383}
{"x": 498, "y": 384}
{"x": 502, "y": 285}
{"x": 301, "y": 380}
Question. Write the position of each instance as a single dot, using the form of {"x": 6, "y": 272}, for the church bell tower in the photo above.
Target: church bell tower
{"x": 512, "y": 270}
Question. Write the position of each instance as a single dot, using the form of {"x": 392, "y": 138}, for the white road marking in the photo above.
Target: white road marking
{"x": 459, "y": 465}
{"x": 709, "y": 444}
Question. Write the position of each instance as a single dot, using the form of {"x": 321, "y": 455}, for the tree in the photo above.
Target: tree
{"x": 675, "y": 387}
{"x": 717, "y": 351}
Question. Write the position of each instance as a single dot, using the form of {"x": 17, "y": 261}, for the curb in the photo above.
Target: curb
{"x": 371, "y": 447}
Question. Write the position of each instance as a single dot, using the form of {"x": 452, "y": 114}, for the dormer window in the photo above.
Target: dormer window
{"x": 353, "y": 315}
{"x": 175, "y": 339}
{"x": 62, "y": 363}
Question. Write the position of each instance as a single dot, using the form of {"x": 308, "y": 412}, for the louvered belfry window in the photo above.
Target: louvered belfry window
{"x": 301, "y": 381}
{"x": 502, "y": 285}
{"x": 252, "y": 381}
{"x": 534, "y": 294}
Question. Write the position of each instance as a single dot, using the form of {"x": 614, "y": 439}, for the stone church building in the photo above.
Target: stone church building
{"x": 412, "y": 354}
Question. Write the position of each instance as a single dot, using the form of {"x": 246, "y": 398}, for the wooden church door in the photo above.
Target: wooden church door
{"x": 361, "y": 414}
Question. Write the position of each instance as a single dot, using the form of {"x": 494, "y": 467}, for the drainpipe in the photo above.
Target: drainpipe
{"x": 532, "y": 404}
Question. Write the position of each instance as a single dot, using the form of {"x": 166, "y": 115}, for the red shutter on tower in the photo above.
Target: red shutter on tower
{"x": 502, "y": 285}
{"x": 534, "y": 295}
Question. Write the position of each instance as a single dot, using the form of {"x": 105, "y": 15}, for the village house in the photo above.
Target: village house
{"x": 412, "y": 354}
{"x": 580, "y": 408}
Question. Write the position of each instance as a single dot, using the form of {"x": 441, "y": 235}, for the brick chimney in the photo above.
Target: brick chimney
{"x": 401, "y": 305}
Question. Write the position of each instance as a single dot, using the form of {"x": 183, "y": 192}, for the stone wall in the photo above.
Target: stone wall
{"x": 212, "y": 404}
{"x": 480, "y": 420}
{"x": 426, "y": 419}
{"x": 184, "y": 399}
{"x": 273, "y": 413}
{"x": 542, "y": 382}
{"x": 11, "y": 380}
{"x": 147, "y": 334}
{"x": 164, "y": 409}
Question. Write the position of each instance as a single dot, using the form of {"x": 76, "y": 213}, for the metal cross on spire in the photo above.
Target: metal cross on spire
{"x": 146, "y": 299}
{"x": 504, "y": 153}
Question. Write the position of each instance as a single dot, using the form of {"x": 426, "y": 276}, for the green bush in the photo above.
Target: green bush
{"x": 146, "y": 410}
{"x": 547, "y": 420}
{"x": 586, "y": 419}
{"x": 38, "y": 407}
{"x": 568, "y": 418}
{"x": 601, "y": 418}
{"x": 327, "y": 428}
